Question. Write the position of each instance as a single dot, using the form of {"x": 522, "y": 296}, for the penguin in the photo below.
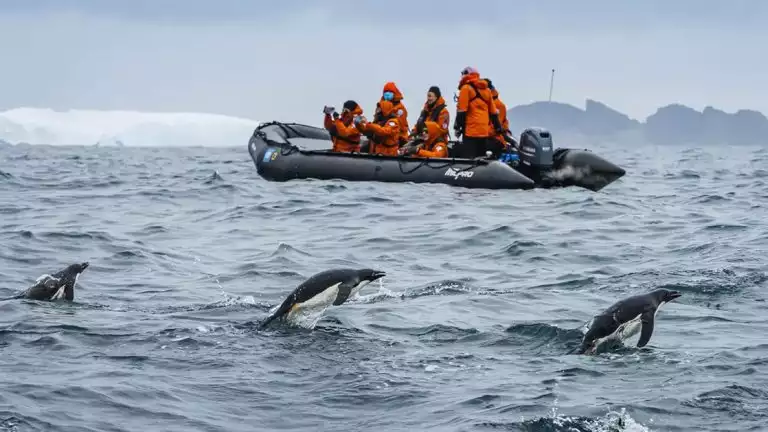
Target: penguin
{"x": 625, "y": 318}
{"x": 330, "y": 287}
{"x": 58, "y": 286}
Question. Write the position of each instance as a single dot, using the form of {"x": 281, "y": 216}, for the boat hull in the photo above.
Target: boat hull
{"x": 278, "y": 163}
{"x": 278, "y": 159}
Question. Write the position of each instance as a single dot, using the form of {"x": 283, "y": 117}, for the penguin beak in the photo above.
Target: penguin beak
{"x": 674, "y": 294}
{"x": 377, "y": 275}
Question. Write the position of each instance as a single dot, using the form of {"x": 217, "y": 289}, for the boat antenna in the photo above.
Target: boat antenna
{"x": 551, "y": 84}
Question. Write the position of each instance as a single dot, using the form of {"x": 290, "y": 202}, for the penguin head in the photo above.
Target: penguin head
{"x": 370, "y": 275}
{"x": 75, "y": 269}
{"x": 665, "y": 296}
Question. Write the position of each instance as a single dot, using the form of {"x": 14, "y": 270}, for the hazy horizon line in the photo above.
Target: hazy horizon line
{"x": 411, "y": 111}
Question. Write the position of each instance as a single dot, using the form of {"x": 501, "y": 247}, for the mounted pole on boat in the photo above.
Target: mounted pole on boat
{"x": 551, "y": 84}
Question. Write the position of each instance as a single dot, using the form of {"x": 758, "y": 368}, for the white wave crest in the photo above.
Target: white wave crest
{"x": 123, "y": 128}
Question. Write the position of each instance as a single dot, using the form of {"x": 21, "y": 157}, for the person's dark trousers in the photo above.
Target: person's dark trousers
{"x": 471, "y": 147}
{"x": 495, "y": 146}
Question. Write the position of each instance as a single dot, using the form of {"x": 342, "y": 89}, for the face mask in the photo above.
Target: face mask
{"x": 388, "y": 96}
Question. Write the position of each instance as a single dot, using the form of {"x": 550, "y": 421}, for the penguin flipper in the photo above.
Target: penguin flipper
{"x": 647, "y": 319}
{"x": 345, "y": 289}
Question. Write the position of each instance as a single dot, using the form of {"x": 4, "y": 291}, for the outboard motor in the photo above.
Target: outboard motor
{"x": 536, "y": 149}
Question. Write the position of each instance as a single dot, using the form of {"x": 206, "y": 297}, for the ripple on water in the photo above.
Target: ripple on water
{"x": 473, "y": 328}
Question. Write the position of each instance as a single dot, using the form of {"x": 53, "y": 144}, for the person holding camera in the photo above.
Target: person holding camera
{"x": 344, "y": 134}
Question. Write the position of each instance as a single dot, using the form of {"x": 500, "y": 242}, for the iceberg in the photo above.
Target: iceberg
{"x": 43, "y": 126}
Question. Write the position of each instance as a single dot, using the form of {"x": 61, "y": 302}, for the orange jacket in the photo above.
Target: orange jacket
{"x": 401, "y": 112}
{"x": 475, "y": 107}
{"x": 345, "y": 136}
{"x": 437, "y": 114}
{"x": 436, "y": 145}
{"x": 501, "y": 107}
{"x": 385, "y": 133}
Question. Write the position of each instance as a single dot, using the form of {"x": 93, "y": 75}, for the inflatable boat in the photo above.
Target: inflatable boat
{"x": 536, "y": 164}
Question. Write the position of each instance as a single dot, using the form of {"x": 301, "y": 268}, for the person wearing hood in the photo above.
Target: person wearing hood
{"x": 392, "y": 94}
{"x": 435, "y": 111}
{"x": 434, "y": 142}
{"x": 499, "y": 141}
{"x": 475, "y": 112}
{"x": 383, "y": 132}
{"x": 344, "y": 134}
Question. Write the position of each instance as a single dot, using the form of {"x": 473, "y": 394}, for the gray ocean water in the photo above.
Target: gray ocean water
{"x": 485, "y": 295}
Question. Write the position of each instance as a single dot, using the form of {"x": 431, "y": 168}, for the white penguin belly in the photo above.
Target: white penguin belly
{"x": 624, "y": 332}
{"x": 59, "y": 293}
{"x": 629, "y": 329}
{"x": 307, "y": 314}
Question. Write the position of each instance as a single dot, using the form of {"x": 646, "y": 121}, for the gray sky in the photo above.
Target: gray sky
{"x": 284, "y": 60}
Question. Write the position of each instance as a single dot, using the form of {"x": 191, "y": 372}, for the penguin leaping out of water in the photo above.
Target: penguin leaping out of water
{"x": 330, "y": 287}
{"x": 58, "y": 286}
{"x": 625, "y": 318}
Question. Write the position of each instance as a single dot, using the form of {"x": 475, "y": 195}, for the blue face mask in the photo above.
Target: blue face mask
{"x": 388, "y": 96}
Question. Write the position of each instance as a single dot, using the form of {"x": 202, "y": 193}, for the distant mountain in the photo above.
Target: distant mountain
{"x": 672, "y": 124}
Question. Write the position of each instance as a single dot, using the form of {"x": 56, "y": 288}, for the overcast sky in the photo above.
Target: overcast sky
{"x": 285, "y": 59}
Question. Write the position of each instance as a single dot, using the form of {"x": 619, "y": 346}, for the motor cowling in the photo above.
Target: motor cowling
{"x": 536, "y": 149}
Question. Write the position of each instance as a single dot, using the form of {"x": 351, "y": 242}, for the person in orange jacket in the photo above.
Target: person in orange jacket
{"x": 498, "y": 142}
{"x": 345, "y": 136}
{"x": 384, "y": 132}
{"x": 434, "y": 142}
{"x": 392, "y": 94}
{"x": 475, "y": 112}
{"x": 435, "y": 111}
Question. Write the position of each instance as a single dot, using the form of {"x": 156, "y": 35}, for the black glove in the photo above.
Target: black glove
{"x": 335, "y": 115}
{"x": 420, "y": 127}
{"x": 421, "y": 122}
{"x": 511, "y": 141}
{"x": 411, "y": 149}
{"x": 497, "y": 124}
{"x": 458, "y": 125}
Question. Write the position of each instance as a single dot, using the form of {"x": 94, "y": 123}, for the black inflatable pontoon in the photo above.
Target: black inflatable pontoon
{"x": 278, "y": 159}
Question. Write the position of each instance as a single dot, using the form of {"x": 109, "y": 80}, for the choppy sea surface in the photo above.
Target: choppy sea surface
{"x": 485, "y": 296}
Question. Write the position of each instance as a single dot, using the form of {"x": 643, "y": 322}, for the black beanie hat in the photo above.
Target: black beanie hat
{"x": 350, "y": 105}
{"x": 435, "y": 90}
{"x": 490, "y": 84}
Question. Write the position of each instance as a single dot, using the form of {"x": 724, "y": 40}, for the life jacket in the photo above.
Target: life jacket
{"x": 434, "y": 114}
{"x": 477, "y": 94}
{"x": 388, "y": 115}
